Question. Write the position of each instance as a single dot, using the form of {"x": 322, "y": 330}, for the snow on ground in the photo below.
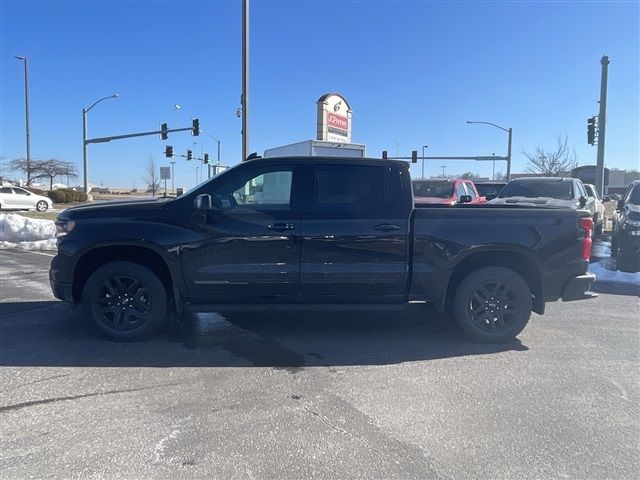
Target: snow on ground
{"x": 26, "y": 233}
{"x": 606, "y": 272}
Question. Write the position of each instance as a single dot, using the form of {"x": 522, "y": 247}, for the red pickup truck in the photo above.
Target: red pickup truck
{"x": 445, "y": 192}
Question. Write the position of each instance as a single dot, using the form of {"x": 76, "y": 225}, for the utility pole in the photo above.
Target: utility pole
{"x": 423, "y": 147}
{"x": 26, "y": 115}
{"x": 602, "y": 120}
{"x": 509, "y": 155}
{"x": 245, "y": 79}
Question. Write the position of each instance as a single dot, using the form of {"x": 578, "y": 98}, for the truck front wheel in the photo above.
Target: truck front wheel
{"x": 492, "y": 304}
{"x": 125, "y": 301}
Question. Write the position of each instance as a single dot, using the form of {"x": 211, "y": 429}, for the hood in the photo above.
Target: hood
{"x": 432, "y": 201}
{"x": 113, "y": 209}
{"x": 536, "y": 202}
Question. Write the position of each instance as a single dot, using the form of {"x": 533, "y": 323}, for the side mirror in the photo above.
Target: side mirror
{"x": 620, "y": 205}
{"x": 464, "y": 199}
{"x": 490, "y": 196}
{"x": 202, "y": 202}
{"x": 606, "y": 199}
{"x": 582, "y": 201}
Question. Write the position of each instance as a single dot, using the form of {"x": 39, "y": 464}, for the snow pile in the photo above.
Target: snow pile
{"x": 26, "y": 233}
{"x": 605, "y": 272}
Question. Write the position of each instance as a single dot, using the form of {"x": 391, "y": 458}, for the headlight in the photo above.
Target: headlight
{"x": 63, "y": 227}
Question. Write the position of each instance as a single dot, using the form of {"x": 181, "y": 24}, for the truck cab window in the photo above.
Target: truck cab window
{"x": 270, "y": 190}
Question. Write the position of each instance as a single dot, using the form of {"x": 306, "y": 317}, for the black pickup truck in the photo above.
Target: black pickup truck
{"x": 317, "y": 233}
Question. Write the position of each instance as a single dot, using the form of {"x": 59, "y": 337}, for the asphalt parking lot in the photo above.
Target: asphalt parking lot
{"x": 323, "y": 395}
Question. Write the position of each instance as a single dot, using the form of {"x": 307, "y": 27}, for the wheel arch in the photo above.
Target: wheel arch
{"x": 520, "y": 263}
{"x": 97, "y": 257}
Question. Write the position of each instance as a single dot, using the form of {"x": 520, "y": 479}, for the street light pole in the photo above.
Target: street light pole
{"x": 510, "y": 132}
{"x": 423, "y": 147}
{"x": 443, "y": 167}
{"x": 177, "y": 109}
{"x": 245, "y": 79}
{"x": 173, "y": 190}
{"x": 218, "y": 142}
{"x": 26, "y": 115}
{"x": 84, "y": 140}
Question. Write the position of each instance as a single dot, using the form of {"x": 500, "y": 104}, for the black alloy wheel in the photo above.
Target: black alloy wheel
{"x": 492, "y": 304}
{"x": 125, "y": 300}
{"x": 124, "y": 303}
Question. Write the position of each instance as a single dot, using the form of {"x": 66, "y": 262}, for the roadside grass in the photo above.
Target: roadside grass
{"x": 48, "y": 215}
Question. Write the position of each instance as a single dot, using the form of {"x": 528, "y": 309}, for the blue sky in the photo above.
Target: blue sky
{"x": 412, "y": 72}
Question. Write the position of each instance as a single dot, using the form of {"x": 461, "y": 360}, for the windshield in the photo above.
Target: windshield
{"x": 433, "y": 189}
{"x": 485, "y": 189}
{"x": 635, "y": 195}
{"x": 552, "y": 189}
{"x": 591, "y": 191}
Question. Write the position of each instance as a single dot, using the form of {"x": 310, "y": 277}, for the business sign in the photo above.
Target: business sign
{"x": 334, "y": 119}
{"x": 165, "y": 173}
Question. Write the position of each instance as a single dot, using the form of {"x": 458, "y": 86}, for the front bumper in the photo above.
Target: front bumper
{"x": 60, "y": 277}
{"x": 62, "y": 291}
{"x": 578, "y": 288}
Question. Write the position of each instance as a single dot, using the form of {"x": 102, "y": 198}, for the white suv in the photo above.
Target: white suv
{"x": 16, "y": 198}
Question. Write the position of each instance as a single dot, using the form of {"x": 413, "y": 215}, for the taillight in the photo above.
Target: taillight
{"x": 586, "y": 224}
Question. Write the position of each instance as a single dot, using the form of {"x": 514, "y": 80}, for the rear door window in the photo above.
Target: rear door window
{"x": 362, "y": 189}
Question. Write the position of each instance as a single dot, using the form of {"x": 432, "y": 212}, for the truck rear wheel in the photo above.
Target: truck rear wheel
{"x": 492, "y": 304}
{"x": 125, "y": 301}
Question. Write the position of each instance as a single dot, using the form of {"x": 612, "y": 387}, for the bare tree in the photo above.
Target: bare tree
{"x": 53, "y": 168}
{"x": 30, "y": 169}
{"x": 470, "y": 175}
{"x": 500, "y": 177}
{"x": 552, "y": 163}
{"x": 152, "y": 175}
{"x": 50, "y": 169}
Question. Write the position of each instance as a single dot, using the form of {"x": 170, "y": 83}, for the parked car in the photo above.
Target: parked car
{"x": 599, "y": 217}
{"x": 16, "y": 198}
{"x": 625, "y": 239}
{"x": 546, "y": 191}
{"x": 326, "y": 231}
{"x": 489, "y": 190}
{"x": 445, "y": 192}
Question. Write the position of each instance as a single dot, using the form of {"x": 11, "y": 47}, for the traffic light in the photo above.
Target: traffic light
{"x": 164, "y": 134}
{"x": 384, "y": 154}
{"x": 414, "y": 156}
{"x": 189, "y": 154}
{"x": 195, "y": 127}
{"x": 206, "y": 158}
{"x": 168, "y": 151}
{"x": 591, "y": 131}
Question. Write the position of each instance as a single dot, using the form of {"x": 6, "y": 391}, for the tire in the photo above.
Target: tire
{"x": 478, "y": 301}
{"x": 125, "y": 301}
{"x": 42, "y": 206}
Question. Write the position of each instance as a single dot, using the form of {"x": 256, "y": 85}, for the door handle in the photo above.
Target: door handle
{"x": 280, "y": 227}
{"x": 386, "y": 227}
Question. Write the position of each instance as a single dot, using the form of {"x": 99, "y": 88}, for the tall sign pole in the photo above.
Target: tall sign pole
{"x": 509, "y": 155}
{"x": 602, "y": 120}
{"x": 245, "y": 79}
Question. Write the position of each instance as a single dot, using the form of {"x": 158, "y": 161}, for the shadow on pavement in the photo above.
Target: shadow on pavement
{"x": 49, "y": 334}
{"x": 616, "y": 288}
